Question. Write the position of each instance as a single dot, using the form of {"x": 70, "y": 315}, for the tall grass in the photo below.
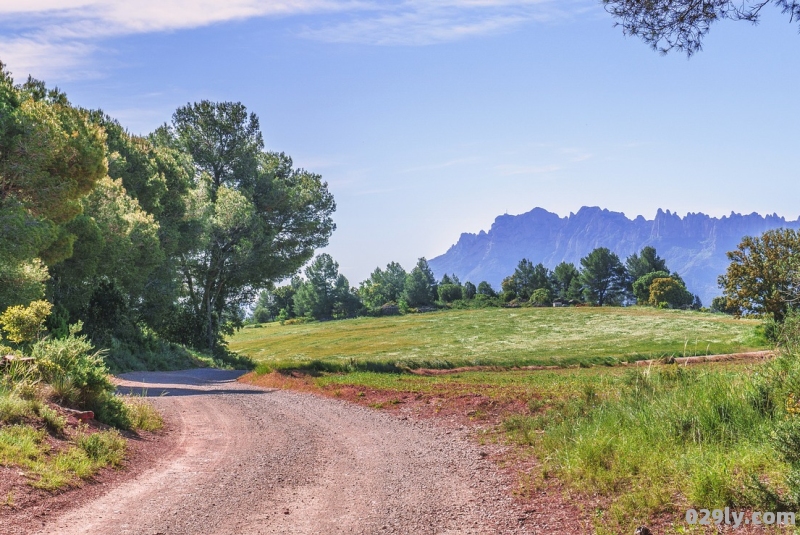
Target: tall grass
{"x": 668, "y": 439}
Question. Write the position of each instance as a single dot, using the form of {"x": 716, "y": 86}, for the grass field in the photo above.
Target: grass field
{"x": 501, "y": 337}
{"x": 643, "y": 443}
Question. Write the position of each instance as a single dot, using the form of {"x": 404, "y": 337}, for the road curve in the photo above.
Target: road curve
{"x": 252, "y": 461}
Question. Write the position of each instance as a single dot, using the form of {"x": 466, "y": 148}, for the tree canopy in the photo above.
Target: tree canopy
{"x": 603, "y": 276}
{"x": 681, "y": 25}
{"x": 168, "y": 235}
{"x": 762, "y": 277}
{"x": 260, "y": 218}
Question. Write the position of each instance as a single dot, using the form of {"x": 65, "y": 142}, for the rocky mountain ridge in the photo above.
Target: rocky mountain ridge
{"x": 694, "y": 246}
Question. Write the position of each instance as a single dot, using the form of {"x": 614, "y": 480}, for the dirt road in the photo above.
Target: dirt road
{"x": 249, "y": 460}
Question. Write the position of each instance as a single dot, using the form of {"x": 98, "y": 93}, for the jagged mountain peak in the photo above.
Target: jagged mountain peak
{"x": 693, "y": 245}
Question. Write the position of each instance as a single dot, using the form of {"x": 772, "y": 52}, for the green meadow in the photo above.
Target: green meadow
{"x": 497, "y": 337}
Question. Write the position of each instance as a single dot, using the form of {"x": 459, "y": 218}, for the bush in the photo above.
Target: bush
{"x": 24, "y": 324}
{"x": 450, "y": 292}
{"x": 541, "y": 297}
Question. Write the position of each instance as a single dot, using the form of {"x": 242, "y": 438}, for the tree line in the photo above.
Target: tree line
{"x": 147, "y": 240}
{"x": 602, "y": 279}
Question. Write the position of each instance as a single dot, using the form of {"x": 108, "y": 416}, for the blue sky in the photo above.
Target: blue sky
{"x": 428, "y": 119}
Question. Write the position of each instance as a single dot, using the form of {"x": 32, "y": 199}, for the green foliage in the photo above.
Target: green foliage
{"x": 50, "y": 156}
{"x": 484, "y": 288}
{"x": 566, "y": 282}
{"x": 325, "y": 294}
{"x": 25, "y": 324}
{"x": 469, "y": 290}
{"x": 143, "y": 416}
{"x": 257, "y": 216}
{"x": 542, "y": 297}
{"x": 420, "y": 288}
{"x": 648, "y": 261}
{"x": 22, "y": 281}
{"x": 641, "y": 286}
{"x": 665, "y": 25}
{"x": 526, "y": 279}
{"x": 761, "y": 278}
{"x": 720, "y": 304}
{"x": 603, "y": 277}
{"x": 450, "y": 292}
{"x": 669, "y": 292}
{"x": 383, "y": 286}
{"x": 73, "y": 357}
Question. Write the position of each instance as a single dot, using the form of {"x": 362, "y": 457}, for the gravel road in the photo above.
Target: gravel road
{"x": 249, "y": 460}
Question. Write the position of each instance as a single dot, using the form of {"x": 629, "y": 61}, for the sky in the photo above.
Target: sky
{"x": 429, "y": 118}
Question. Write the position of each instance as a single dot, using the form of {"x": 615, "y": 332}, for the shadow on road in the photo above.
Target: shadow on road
{"x": 197, "y": 382}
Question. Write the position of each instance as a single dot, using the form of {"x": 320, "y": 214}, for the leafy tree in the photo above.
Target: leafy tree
{"x": 669, "y": 292}
{"x": 260, "y": 219}
{"x": 648, "y": 261}
{"x": 541, "y": 296}
{"x": 762, "y": 277}
{"x": 720, "y": 304}
{"x": 271, "y": 302}
{"x": 450, "y": 292}
{"x": 641, "y": 286}
{"x": 393, "y": 282}
{"x": 484, "y": 288}
{"x": 325, "y": 293}
{"x": 566, "y": 281}
{"x": 383, "y": 286}
{"x": 682, "y": 24}
{"x": 469, "y": 290}
{"x": 527, "y": 278}
{"x": 25, "y": 323}
{"x": 420, "y": 287}
{"x": 603, "y": 276}
{"x": 51, "y": 155}
{"x": 508, "y": 286}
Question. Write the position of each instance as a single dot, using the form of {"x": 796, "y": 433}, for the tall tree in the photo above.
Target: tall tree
{"x": 566, "y": 281}
{"x": 764, "y": 274}
{"x": 420, "y": 286}
{"x": 603, "y": 276}
{"x": 260, "y": 218}
{"x": 682, "y": 24}
{"x": 383, "y": 286}
{"x": 51, "y": 155}
{"x": 527, "y": 278}
{"x": 647, "y": 261}
{"x": 325, "y": 294}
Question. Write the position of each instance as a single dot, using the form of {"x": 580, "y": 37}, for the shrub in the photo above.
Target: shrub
{"x": 143, "y": 415}
{"x": 542, "y": 296}
{"x": 450, "y": 292}
{"x": 79, "y": 376}
{"x": 105, "y": 447}
{"x": 24, "y": 324}
{"x": 73, "y": 359}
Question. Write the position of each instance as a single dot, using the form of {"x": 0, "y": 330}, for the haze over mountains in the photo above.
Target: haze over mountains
{"x": 693, "y": 246}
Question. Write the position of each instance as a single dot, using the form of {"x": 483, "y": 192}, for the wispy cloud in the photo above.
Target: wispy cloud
{"x": 414, "y": 22}
{"x": 513, "y": 169}
{"x": 48, "y": 37}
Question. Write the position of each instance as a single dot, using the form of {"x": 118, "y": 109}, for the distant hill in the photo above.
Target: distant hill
{"x": 694, "y": 246}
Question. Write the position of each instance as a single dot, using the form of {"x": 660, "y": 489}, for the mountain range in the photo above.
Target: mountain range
{"x": 694, "y": 246}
